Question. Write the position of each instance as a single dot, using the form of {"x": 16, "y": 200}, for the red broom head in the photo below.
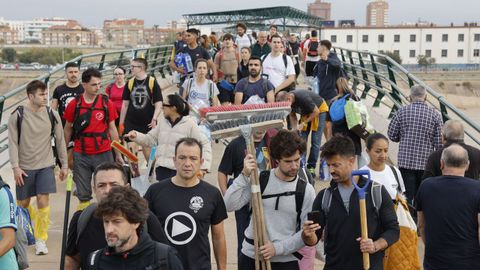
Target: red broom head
{"x": 243, "y": 107}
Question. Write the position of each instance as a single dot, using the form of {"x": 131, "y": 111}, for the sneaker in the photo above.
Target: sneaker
{"x": 312, "y": 172}
{"x": 40, "y": 247}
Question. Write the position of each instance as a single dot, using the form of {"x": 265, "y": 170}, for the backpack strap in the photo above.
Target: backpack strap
{"x": 399, "y": 188}
{"x": 53, "y": 121}
{"x": 210, "y": 92}
{"x": 130, "y": 84}
{"x": 93, "y": 259}
{"x": 263, "y": 179}
{"x": 84, "y": 218}
{"x": 265, "y": 86}
{"x": 19, "y": 111}
{"x": 105, "y": 108}
{"x": 284, "y": 56}
{"x": 299, "y": 197}
{"x": 189, "y": 86}
{"x": 326, "y": 200}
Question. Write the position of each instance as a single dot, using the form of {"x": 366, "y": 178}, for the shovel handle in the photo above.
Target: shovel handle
{"x": 363, "y": 223}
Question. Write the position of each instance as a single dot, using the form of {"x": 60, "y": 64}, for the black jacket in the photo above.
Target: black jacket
{"x": 432, "y": 168}
{"x": 328, "y": 73}
{"x": 147, "y": 254}
{"x": 341, "y": 247}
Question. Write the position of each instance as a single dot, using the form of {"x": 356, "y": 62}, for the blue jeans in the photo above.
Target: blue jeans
{"x": 315, "y": 140}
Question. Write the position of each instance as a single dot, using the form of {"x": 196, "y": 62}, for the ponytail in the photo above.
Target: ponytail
{"x": 186, "y": 108}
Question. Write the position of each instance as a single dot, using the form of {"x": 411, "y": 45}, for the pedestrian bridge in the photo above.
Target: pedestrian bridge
{"x": 381, "y": 82}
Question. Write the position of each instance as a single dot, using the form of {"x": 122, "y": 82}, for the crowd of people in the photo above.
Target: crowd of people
{"x": 434, "y": 192}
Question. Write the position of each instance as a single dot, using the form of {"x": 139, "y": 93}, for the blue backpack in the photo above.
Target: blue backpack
{"x": 337, "y": 111}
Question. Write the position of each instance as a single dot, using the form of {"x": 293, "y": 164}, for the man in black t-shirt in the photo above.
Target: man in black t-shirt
{"x": 63, "y": 94}
{"x": 188, "y": 207}
{"x": 142, "y": 102}
{"x": 92, "y": 236}
{"x": 449, "y": 214}
{"x": 196, "y": 52}
{"x": 313, "y": 111}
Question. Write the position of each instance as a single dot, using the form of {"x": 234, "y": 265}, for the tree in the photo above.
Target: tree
{"x": 425, "y": 61}
{"x": 9, "y": 54}
{"x": 395, "y": 57}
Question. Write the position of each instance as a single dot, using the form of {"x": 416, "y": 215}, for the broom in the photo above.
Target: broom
{"x": 229, "y": 121}
{"x": 65, "y": 220}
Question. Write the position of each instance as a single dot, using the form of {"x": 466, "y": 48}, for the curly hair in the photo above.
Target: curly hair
{"x": 286, "y": 144}
{"x": 124, "y": 201}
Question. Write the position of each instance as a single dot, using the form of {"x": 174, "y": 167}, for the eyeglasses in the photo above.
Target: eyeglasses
{"x": 133, "y": 66}
{"x": 118, "y": 74}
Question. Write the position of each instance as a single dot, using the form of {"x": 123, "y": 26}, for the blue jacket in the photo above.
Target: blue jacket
{"x": 327, "y": 73}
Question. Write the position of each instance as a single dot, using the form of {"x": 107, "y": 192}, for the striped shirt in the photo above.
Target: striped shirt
{"x": 418, "y": 129}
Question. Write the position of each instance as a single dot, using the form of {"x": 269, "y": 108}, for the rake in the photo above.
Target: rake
{"x": 245, "y": 120}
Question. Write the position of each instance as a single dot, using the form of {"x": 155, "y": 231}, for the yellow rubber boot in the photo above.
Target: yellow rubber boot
{"x": 83, "y": 205}
{"x": 42, "y": 224}
{"x": 33, "y": 214}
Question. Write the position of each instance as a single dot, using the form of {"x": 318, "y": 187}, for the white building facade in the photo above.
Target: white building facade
{"x": 31, "y": 31}
{"x": 448, "y": 45}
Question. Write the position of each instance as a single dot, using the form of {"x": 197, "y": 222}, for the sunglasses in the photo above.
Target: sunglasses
{"x": 167, "y": 105}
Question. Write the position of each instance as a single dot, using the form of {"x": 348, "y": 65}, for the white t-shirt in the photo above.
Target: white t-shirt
{"x": 200, "y": 92}
{"x": 243, "y": 41}
{"x": 310, "y": 58}
{"x": 274, "y": 67}
{"x": 387, "y": 179}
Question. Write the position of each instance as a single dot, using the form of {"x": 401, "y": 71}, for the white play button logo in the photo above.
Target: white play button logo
{"x": 179, "y": 228}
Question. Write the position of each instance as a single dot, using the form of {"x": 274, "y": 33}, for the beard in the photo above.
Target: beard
{"x": 253, "y": 73}
{"x": 290, "y": 173}
{"x": 118, "y": 243}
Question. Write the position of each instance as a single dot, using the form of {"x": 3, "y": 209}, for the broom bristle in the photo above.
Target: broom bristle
{"x": 244, "y": 107}
{"x": 227, "y": 117}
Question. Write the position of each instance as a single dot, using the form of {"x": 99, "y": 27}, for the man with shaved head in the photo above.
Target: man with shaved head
{"x": 449, "y": 214}
{"x": 452, "y": 132}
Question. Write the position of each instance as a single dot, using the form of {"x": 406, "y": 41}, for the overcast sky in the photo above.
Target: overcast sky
{"x": 93, "y": 12}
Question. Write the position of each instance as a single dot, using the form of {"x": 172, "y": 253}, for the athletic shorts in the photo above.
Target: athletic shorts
{"x": 83, "y": 167}
{"x": 41, "y": 181}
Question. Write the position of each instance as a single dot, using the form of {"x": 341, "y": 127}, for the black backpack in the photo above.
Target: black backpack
{"x": 312, "y": 48}
{"x": 82, "y": 121}
{"x": 53, "y": 121}
{"x": 160, "y": 258}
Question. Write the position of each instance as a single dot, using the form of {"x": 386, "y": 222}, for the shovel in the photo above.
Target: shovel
{"x": 363, "y": 210}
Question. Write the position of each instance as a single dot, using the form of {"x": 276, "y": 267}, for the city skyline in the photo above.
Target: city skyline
{"x": 92, "y": 13}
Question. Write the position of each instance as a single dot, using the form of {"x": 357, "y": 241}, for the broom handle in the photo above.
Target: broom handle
{"x": 256, "y": 234}
{"x": 363, "y": 222}
{"x": 258, "y": 205}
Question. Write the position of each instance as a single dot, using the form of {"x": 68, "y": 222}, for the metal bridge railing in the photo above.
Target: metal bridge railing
{"x": 157, "y": 58}
{"x": 391, "y": 82}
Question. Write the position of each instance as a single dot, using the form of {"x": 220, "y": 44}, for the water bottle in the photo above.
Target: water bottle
{"x": 324, "y": 171}
{"x": 189, "y": 63}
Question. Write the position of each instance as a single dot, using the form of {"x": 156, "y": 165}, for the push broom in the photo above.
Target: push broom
{"x": 230, "y": 121}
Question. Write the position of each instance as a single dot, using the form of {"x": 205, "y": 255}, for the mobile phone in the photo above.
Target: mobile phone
{"x": 314, "y": 216}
